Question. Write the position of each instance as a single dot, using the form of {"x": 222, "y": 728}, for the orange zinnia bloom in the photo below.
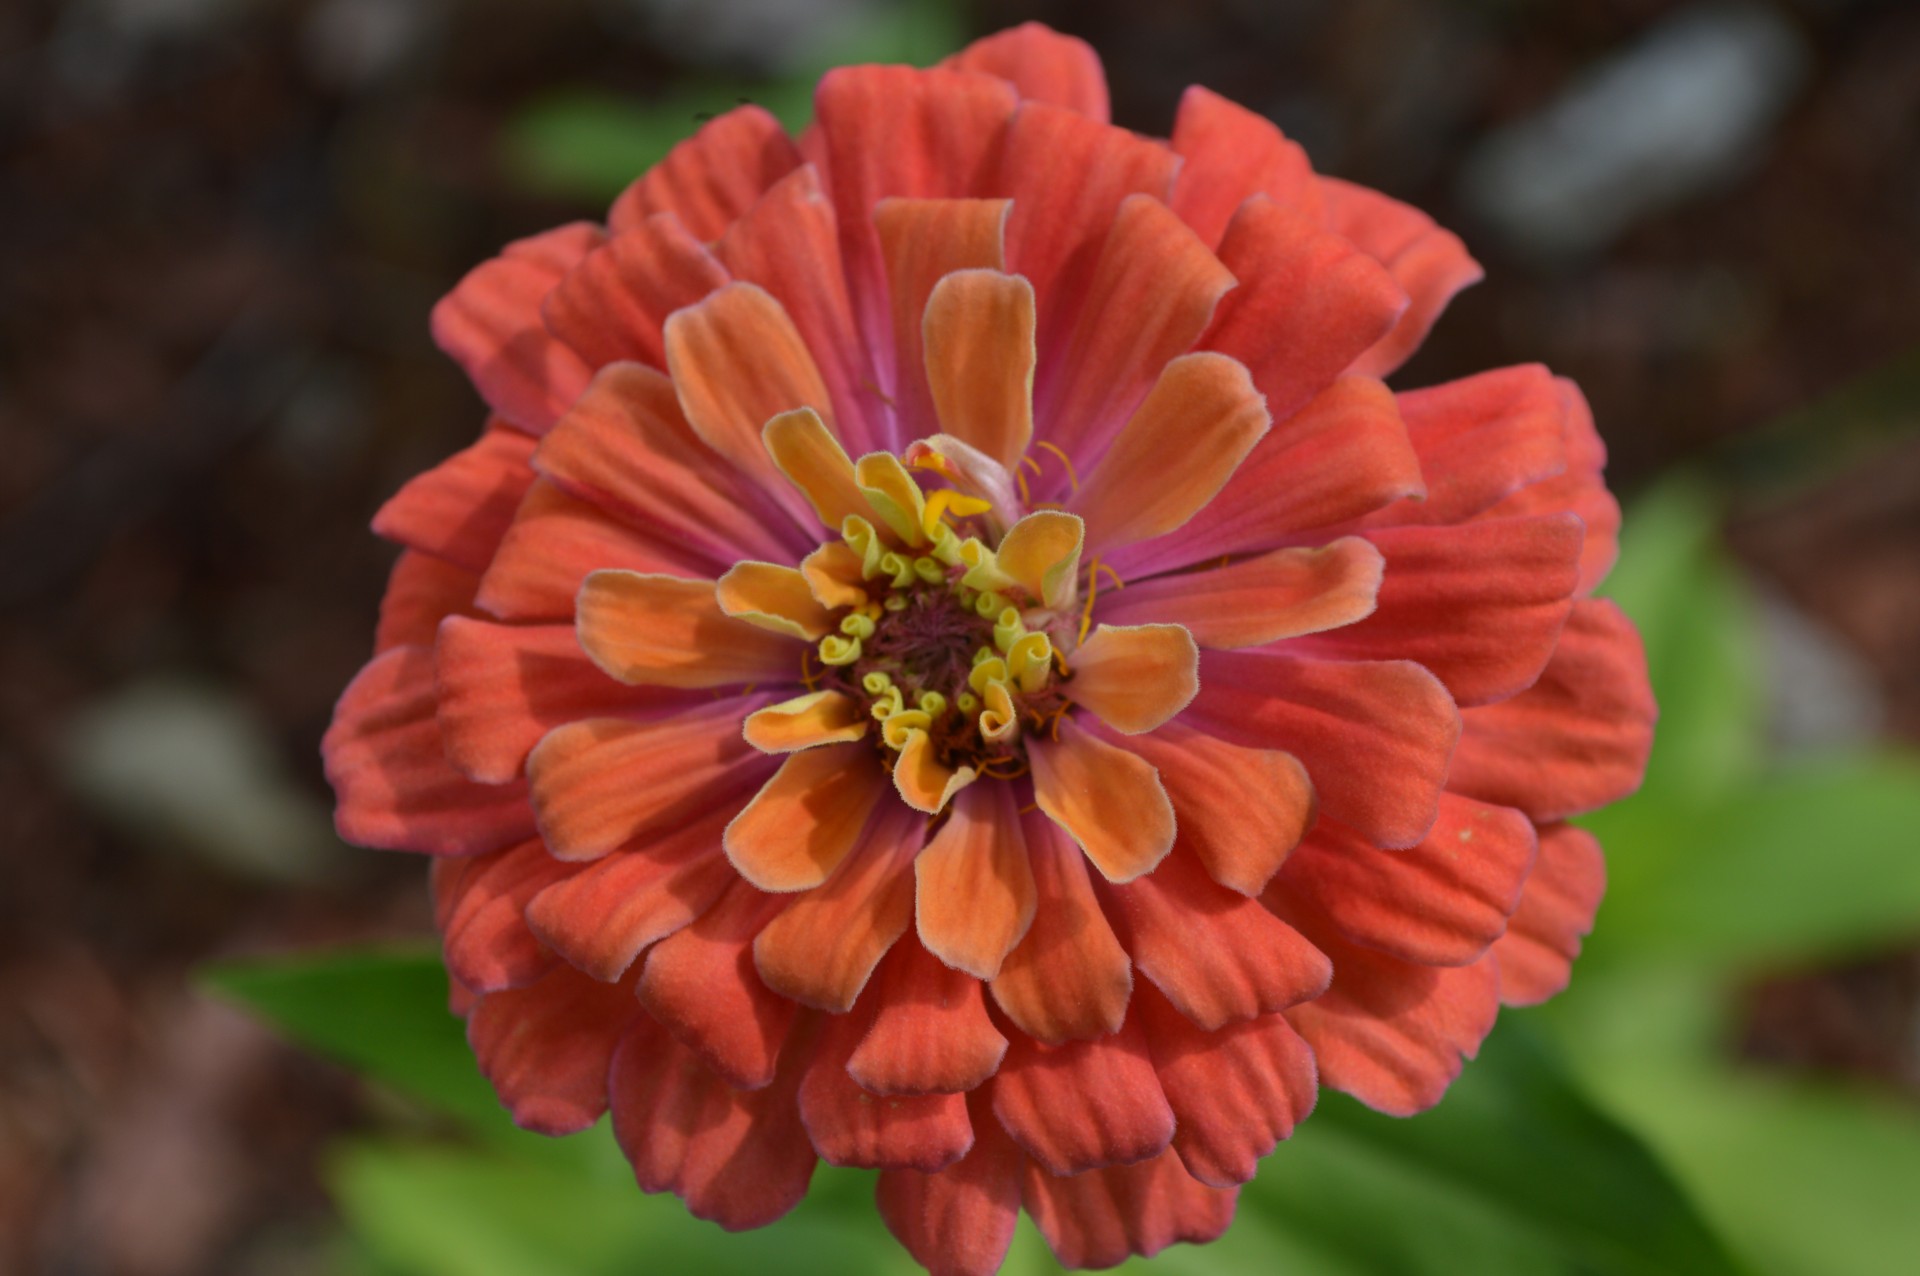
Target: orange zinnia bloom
{"x": 947, "y": 610}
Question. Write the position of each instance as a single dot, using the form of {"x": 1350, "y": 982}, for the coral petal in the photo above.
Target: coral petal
{"x": 1575, "y": 740}
{"x": 1441, "y": 903}
{"x": 554, "y": 543}
{"x": 700, "y": 984}
{"x": 479, "y": 906}
{"x": 604, "y": 781}
{"x": 393, "y": 784}
{"x": 849, "y": 1126}
{"x": 1282, "y": 594}
{"x": 422, "y": 590}
{"x": 1236, "y": 1093}
{"x": 1099, "y": 1218}
{"x": 740, "y": 1158}
{"x": 663, "y": 631}
{"x": 1085, "y": 1104}
{"x": 1043, "y": 64}
{"x": 545, "y": 1047}
{"x": 1174, "y": 454}
{"x": 973, "y": 888}
{"x": 1229, "y": 154}
{"x": 611, "y": 306}
{"x": 978, "y": 353}
{"x": 1429, "y": 264}
{"x": 1376, "y": 736}
{"x": 922, "y": 241}
{"x": 808, "y": 817}
{"x": 1108, "y": 799}
{"x": 1069, "y": 978}
{"x": 1480, "y": 439}
{"x": 460, "y": 508}
{"x": 960, "y": 1221}
{"x": 1217, "y": 955}
{"x": 1556, "y": 911}
{"x": 930, "y": 1033}
{"x": 713, "y": 177}
{"x": 1136, "y": 677}
{"x": 823, "y": 948}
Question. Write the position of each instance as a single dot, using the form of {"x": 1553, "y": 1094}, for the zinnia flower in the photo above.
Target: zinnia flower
{"x": 947, "y": 657}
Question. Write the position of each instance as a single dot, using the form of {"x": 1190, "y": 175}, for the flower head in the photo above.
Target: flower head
{"x": 947, "y": 611}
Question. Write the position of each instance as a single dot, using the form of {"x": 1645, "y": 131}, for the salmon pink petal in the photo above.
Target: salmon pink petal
{"x": 1376, "y": 736}
{"x": 1394, "y": 1034}
{"x": 930, "y": 1033}
{"x": 1281, "y": 594}
{"x": 1043, "y": 64}
{"x": 1241, "y": 811}
{"x": 1580, "y": 490}
{"x": 737, "y": 362}
{"x": 1429, "y": 264}
{"x": 626, "y": 447}
{"x": 806, "y": 722}
{"x": 1481, "y": 605}
{"x": 1344, "y": 455}
{"x": 1174, "y": 454}
{"x": 546, "y": 1047}
{"x": 1067, "y": 176}
{"x": 1229, "y": 154}
{"x": 605, "y": 781}
{"x": 921, "y": 242}
{"x": 1556, "y": 911}
{"x": 1109, "y": 800}
{"x": 460, "y": 508}
{"x": 1085, "y": 1104}
{"x": 480, "y": 905}
{"x": 1575, "y": 740}
{"x": 1217, "y": 955}
{"x": 977, "y": 341}
{"x": 1480, "y": 439}
{"x": 700, "y": 984}
{"x": 1135, "y": 677}
{"x": 422, "y": 590}
{"x": 1441, "y": 903}
{"x": 925, "y": 1132}
{"x": 789, "y": 244}
{"x": 490, "y": 325}
{"x": 806, "y": 820}
{"x": 1236, "y": 1093}
{"x": 822, "y": 949}
{"x": 1151, "y": 293}
{"x": 667, "y": 632}
{"x": 502, "y": 687}
{"x": 974, "y": 893}
{"x": 1069, "y": 978}
{"x": 612, "y": 305}
{"x": 883, "y": 131}
{"x": 392, "y": 782}
{"x": 554, "y": 543}
{"x": 712, "y": 178}
{"x": 1099, "y": 1218}
{"x": 739, "y": 1158}
{"x": 1309, "y": 303}
{"x": 960, "y": 1221}
{"x": 603, "y": 916}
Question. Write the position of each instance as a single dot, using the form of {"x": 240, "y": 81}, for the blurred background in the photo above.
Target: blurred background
{"x": 223, "y": 223}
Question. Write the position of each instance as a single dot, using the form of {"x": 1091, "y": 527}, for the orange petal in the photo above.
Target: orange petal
{"x": 806, "y": 452}
{"x": 611, "y": 306}
{"x": 1282, "y": 594}
{"x": 713, "y": 177}
{"x": 737, "y": 362}
{"x": 666, "y": 632}
{"x": 823, "y": 948}
{"x": 1109, "y": 800}
{"x": 1069, "y": 979}
{"x": 699, "y": 983}
{"x": 923, "y": 781}
{"x": 922, "y": 240}
{"x": 605, "y": 781}
{"x": 977, "y": 338}
{"x": 961, "y": 1220}
{"x": 805, "y": 722}
{"x": 1041, "y": 553}
{"x": 774, "y": 598}
{"x": 1175, "y": 454}
{"x": 974, "y": 894}
{"x": 1135, "y": 677}
{"x": 1242, "y": 811}
{"x": 1152, "y": 293}
{"x": 806, "y": 819}
{"x": 834, "y": 575}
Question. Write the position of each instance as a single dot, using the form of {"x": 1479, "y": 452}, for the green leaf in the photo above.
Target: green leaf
{"x": 380, "y": 1011}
